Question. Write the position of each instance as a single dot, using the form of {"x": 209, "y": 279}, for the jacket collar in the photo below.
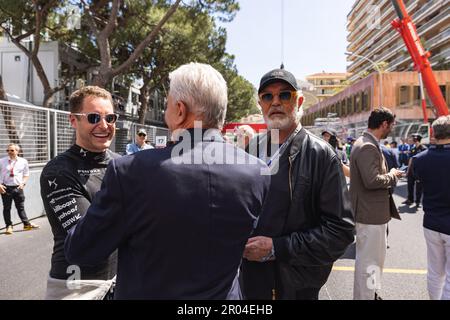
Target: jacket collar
{"x": 79, "y": 152}
{"x": 369, "y": 135}
{"x": 197, "y": 135}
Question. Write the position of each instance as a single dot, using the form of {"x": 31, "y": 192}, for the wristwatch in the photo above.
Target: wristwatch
{"x": 270, "y": 256}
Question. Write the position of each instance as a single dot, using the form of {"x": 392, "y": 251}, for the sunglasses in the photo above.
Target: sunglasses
{"x": 142, "y": 135}
{"x": 10, "y": 150}
{"x": 94, "y": 117}
{"x": 285, "y": 96}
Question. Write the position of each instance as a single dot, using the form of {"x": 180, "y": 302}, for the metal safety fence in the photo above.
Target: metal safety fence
{"x": 43, "y": 133}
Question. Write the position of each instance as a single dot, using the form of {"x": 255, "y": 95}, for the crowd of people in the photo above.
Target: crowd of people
{"x": 207, "y": 219}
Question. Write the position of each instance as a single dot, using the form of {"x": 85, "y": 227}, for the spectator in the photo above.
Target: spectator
{"x": 370, "y": 189}
{"x": 413, "y": 182}
{"x": 432, "y": 168}
{"x": 330, "y": 136}
{"x": 403, "y": 150}
{"x": 307, "y": 222}
{"x": 69, "y": 183}
{"x": 389, "y": 155}
{"x": 14, "y": 172}
{"x": 394, "y": 150}
{"x": 244, "y": 134}
{"x": 179, "y": 219}
{"x": 139, "y": 144}
{"x": 349, "y": 146}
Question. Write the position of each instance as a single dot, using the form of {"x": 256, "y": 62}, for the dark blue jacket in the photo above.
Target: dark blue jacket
{"x": 432, "y": 168}
{"x": 180, "y": 222}
{"x": 389, "y": 155}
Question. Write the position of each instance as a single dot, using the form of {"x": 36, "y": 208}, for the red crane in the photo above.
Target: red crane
{"x": 405, "y": 26}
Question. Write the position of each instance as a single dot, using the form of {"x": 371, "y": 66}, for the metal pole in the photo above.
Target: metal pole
{"x": 282, "y": 34}
{"x": 379, "y": 72}
{"x": 422, "y": 97}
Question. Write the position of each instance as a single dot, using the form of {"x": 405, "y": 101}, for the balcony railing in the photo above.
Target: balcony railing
{"x": 423, "y": 29}
{"x": 417, "y": 17}
{"x": 439, "y": 38}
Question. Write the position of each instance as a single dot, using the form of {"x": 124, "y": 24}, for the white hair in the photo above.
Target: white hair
{"x": 203, "y": 89}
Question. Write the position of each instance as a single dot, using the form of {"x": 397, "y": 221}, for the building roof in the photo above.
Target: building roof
{"x": 328, "y": 75}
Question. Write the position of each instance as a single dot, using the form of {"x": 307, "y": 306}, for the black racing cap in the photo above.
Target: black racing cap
{"x": 278, "y": 75}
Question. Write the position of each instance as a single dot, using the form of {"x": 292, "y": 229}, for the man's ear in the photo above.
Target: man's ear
{"x": 73, "y": 121}
{"x": 182, "y": 112}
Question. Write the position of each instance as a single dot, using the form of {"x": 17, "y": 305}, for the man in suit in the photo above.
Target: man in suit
{"x": 179, "y": 216}
{"x": 370, "y": 190}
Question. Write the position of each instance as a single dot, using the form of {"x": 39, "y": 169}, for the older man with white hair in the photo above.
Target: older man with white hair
{"x": 179, "y": 216}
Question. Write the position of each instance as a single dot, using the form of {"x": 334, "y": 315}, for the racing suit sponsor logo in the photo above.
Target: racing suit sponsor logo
{"x": 90, "y": 172}
{"x": 52, "y": 183}
{"x": 68, "y": 212}
{"x": 59, "y": 191}
{"x": 59, "y": 207}
{"x": 52, "y": 202}
{"x": 71, "y": 221}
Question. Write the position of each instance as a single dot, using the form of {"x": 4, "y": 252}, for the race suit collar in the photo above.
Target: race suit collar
{"x": 85, "y": 154}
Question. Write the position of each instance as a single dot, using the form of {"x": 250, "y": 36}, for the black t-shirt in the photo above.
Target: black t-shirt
{"x": 68, "y": 185}
{"x": 274, "y": 214}
{"x": 271, "y": 224}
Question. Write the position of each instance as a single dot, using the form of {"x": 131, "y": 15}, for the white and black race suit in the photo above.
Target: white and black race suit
{"x": 68, "y": 185}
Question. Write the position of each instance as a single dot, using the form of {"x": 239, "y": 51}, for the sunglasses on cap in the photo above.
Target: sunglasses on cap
{"x": 94, "y": 117}
{"x": 285, "y": 96}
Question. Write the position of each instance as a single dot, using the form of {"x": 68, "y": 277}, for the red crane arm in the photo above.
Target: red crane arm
{"x": 405, "y": 26}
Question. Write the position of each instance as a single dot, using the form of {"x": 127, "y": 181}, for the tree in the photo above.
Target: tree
{"x": 190, "y": 35}
{"x": 102, "y": 31}
{"x": 241, "y": 93}
{"x": 23, "y": 19}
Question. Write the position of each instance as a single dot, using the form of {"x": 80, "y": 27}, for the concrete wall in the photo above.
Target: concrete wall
{"x": 33, "y": 204}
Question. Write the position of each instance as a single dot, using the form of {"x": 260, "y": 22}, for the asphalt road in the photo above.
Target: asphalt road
{"x": 25, "y": 261}
{"x": 404, "y": 276}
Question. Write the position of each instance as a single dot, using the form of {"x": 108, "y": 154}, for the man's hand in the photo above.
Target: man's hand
{"x": 21, "y": 186}
{"x": 397, "y": 173}
{"x": 2, "y": 189}
{"x": 258, "y": 248}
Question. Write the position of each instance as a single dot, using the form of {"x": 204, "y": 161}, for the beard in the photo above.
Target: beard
{"x": 385, "y": 134}
{"x": 280, "y": 123}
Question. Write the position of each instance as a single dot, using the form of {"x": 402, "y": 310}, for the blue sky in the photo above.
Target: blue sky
{"x": 314, "y": 36}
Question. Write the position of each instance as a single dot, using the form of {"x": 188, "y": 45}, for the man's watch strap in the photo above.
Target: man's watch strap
{"x": 270, "y": 256}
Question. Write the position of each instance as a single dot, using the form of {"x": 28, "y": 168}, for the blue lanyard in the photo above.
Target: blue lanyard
{"x": 284, "y": 146}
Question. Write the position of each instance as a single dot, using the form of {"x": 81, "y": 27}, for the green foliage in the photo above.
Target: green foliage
{"x": 191, "y": 34}
{"x": 241, "y": 93}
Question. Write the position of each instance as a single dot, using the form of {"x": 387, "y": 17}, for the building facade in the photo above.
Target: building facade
{"x": 327, "y": 84}
{"x": 398, "y": 91}
{"x": 371, "y": 35}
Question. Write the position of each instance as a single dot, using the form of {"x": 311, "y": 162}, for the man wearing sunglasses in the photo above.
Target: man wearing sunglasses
{"x": 14, "y": 174}
{"x": 307, "y": 222}
{"x": 69, "y": 183}
{"x": 140, "y": 143}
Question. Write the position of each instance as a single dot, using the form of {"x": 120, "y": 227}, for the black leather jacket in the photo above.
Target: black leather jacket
{"x": 320, "y": 222}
